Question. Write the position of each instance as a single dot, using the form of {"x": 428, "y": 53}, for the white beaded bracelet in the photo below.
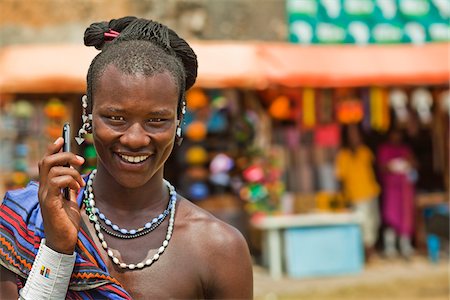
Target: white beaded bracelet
{"x": 50, "y": 275}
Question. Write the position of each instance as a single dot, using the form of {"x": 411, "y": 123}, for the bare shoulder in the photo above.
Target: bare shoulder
{"x": 208, "y": 229}
{"x": 226, "y": 265}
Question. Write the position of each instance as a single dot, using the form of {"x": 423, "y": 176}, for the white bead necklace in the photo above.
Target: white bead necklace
{"x": 90, "y": 211}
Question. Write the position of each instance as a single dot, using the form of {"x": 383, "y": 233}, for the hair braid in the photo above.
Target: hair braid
{"x": 143, "y": 46}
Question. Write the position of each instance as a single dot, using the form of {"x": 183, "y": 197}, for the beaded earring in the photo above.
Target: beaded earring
{"x": 87, "y": 119}
{"x": 178, "y": 132}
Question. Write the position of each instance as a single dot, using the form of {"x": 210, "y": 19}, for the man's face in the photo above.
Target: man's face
{"x": 134, "y": 123}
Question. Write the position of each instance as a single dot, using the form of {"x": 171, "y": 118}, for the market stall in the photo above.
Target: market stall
{"x": 263, "y": 121}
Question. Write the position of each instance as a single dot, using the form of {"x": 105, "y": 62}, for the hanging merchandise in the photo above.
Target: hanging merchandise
{"x": 56, "y": 114}
{"x": 254, "y": 192}
{"x": 364, "y": 94}
{"x": 196, "y": 155}
{"x": 309, "y": 107}
{"x": 19, "y": 179}
{"x": 197, "y": 173}
{"x": 220, "y": 179}
{"x": 219, "y": 167}
{"x": 379, "y": 108}
{"x": 280, "y": 108}
{"x": 325, "y": 107}
{"x": 90, "y": 155}
{"x": 327, "y": 135}
{"x": 221, "y": 163}
{"x": 55, "y": 109}
{"x": 20, "y": 163}
{"x": 291, "y": 137}
{"x": 196, "y": 131}
{"x": 242, "y": 129}
{"x": 22, "y": 111}
{"x": 198, "y": 191}
{"x": 349, "y": 111}
{"x": 421, "y": 100}
{"x": 8, "y": 133}
{"x": 219, "y": 102}
{"x": 217, "y": 122}
{"x": 254, "y": 173}
{"x": 262, "y": 180}
{"x": 196, "y": 99}
{"x": 398, "y": 100}
{"x": 305, "y": 171}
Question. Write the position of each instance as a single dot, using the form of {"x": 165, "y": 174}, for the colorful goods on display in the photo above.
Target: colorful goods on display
{"x": 368, "y": 21}
{"x": 280, "y": 109}
{"x": 89, "y": 154}
{"x": 219, "y": 134}
{"x": 203, "y": 119}
{"x": 312, "y": 135}
{"x": 56, "y": 114}
{"x": 22, "y": 114}
{"x": 26, "y": 127}
{"x": 263, "y": 185}
{"x": 218, "y": 154}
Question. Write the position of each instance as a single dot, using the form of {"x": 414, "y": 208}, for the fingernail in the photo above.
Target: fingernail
{"x": 57, "y": 140}
{"x": 80, "y": 158}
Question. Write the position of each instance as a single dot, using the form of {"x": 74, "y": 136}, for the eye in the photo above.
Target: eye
{"x": 116, "y": 118}
{"x": 156, "y": 120}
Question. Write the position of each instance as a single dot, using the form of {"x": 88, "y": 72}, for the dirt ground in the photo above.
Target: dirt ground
{"x": 381, "y": 279}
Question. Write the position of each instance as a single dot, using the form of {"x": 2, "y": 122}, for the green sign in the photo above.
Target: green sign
{"x": 368, "y": 21}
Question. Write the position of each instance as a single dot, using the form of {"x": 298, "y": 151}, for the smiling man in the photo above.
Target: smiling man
{"x": 125, "y": 232}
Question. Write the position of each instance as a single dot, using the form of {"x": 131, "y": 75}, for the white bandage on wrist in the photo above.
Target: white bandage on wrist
{"x": 50, "y": 275}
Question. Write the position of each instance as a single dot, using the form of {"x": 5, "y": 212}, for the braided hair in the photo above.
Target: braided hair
{"x": 140, "y": 46}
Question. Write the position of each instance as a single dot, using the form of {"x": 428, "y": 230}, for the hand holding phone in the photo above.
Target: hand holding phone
{"x": 66, "y": 148}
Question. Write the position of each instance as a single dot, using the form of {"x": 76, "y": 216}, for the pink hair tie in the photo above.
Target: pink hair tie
{"x": 111, "y": 34}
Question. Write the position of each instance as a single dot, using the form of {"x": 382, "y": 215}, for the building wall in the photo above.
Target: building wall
{"x": 64, "y": 21}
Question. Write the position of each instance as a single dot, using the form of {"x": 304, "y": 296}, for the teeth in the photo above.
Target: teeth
{"x": 134, "y": 159}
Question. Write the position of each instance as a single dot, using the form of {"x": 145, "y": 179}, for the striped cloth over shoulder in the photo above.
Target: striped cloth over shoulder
{"x": 21, "y": 231}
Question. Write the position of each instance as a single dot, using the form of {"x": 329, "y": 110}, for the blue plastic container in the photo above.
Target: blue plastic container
{"x": 324, "y": 250}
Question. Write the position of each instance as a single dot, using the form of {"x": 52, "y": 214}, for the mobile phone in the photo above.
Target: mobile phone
{"x": 66, "y": 148}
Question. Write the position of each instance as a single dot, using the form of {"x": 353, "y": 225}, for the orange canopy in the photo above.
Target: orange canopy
{"x": 63, "y": 68}
{"x": 350, "y": 65}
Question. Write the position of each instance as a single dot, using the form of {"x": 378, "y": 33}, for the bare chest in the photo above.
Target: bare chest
{"x": 175, "y": 274}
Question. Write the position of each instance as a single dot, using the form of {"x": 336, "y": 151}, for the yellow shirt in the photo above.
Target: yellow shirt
{"x": 355, "y": 171}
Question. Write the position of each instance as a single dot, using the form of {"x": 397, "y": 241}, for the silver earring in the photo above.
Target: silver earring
{"x": 87, "y": 119}
{"x": 179, "y": 133}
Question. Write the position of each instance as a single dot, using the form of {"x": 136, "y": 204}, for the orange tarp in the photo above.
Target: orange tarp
{"x": 349, "y": 65}
{"x": 63, "y": 68}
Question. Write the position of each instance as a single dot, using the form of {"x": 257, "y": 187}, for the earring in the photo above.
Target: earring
{"x": 179, "y": 133}
{"x": 87, "y": 119}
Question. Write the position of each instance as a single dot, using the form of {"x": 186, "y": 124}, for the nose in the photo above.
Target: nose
{"x": 135, "y": 137}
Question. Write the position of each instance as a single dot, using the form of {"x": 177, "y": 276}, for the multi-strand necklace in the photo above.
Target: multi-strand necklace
{"x": 92, "y": 213}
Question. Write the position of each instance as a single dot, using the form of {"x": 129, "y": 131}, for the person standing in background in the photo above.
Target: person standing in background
{"x": 355, "y": 173}
{"x": 398, "y": 177}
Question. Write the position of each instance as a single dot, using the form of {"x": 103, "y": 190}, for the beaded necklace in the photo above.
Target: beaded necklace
{"x": 133, "y": 233}
{"x": 91, "y": 212}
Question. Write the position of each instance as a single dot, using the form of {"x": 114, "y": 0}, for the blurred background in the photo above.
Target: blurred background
{"x": 285, "y": 88}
